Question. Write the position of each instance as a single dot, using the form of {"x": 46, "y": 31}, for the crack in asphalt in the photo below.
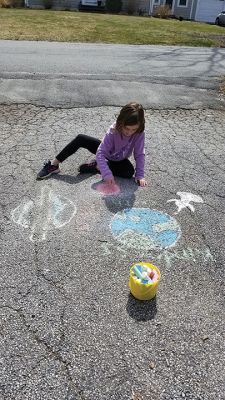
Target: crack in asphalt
{"x": 199, "y": 82}
{"x": 65, "y": 364}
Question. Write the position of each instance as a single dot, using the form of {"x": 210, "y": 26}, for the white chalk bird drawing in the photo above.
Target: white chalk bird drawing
{"x": 185, "y": 201}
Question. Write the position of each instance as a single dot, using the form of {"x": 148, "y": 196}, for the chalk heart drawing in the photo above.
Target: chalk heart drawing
{"x": 185, "y": 201}
{"x": 47, "y": 211}
{"x": 145, "y": 229}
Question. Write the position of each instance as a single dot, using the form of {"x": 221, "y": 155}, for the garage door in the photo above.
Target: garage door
{"x": 207, "y": 10}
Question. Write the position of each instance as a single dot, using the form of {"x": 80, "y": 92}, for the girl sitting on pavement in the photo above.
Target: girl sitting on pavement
{"x": 124, "y": 138}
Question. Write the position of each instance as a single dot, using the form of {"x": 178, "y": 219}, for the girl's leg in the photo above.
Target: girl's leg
{"x": 84, "y": 141}
{"x": 123, "y": 169}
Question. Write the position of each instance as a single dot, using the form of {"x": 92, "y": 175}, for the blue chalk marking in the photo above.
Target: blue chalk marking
{"x": 138, "y": 267}
{"x": 147, "y": 227}
{"x": 137, "y": 272}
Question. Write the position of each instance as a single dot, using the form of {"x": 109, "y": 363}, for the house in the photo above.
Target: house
{"x": 197, "y": 10}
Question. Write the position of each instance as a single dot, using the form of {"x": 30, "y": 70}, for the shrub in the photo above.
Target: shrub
{"x": 114, "y": 6}
{"x": 66, "y": 5}
{"x": 48, "y": 4}
{"x": 162, "y": 12}
{"x": 142, "y": 11}
{"x": 131, "y": 7}
{"x": 10, "y": 3}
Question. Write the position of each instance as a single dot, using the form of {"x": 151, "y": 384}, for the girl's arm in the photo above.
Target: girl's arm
{"x": 139, "y": 156}
{"x": 102, "y": 154}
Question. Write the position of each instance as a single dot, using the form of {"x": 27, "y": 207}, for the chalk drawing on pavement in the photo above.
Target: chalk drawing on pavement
{"x": 185, "y": 201}
{"x": 22, "y": 214}
{"x": 107, "y": 190}
{"x": 47, "y": 211}
{"x": 167, "y": 256}
{"x": 144, "y": 228}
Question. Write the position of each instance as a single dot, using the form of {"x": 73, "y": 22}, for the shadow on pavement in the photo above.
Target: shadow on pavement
{"x": 124, "y": 199}
{"x": 114, "y": 202}
{"x": 141, "y": 310}
{"x": 71, "y": 179}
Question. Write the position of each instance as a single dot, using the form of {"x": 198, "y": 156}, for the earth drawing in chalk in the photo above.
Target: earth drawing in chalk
{"x": 145, "y": 229}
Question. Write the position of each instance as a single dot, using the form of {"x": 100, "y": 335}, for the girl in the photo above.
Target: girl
{"x": 124, "y": 138}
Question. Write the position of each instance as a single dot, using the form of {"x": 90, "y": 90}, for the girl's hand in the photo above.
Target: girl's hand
{"x": 110, "y": 181}
{"x": 141, "y": 182}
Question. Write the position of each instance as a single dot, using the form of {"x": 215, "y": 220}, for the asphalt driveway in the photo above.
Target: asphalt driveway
{"x": 70, "y": 329}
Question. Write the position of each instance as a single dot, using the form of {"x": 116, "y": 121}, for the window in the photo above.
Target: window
{"x": 182, "y": 3}
{"x": 156, "y": 1}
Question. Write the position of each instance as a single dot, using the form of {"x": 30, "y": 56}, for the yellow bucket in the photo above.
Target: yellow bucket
{"x": 143, "y": 291}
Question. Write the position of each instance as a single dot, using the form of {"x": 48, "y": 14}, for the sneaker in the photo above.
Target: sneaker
{"x": 47, "y": 170}
{"x": 89, "y": 168}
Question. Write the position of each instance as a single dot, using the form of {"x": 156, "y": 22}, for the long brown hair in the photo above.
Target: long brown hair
{"x": 131, "y": 114}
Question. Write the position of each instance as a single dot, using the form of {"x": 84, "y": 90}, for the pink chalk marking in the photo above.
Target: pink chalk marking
{"x": 107, "y": 189}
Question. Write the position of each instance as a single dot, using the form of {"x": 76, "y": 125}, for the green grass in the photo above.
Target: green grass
{"x": 66, "y": 26}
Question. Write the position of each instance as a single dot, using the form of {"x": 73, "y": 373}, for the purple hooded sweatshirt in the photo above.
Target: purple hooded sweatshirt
{"x": 116, "y": 147}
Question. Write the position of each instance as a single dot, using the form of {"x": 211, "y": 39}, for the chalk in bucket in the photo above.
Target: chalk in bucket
{"x": 144, "y": 280}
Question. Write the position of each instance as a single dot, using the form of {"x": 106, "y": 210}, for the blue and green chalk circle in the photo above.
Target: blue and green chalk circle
{"x": 145, "y": 228}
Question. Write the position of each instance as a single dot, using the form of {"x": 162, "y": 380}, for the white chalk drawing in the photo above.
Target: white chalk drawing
{"x": 47, "y": 211}
{"x": 185, "y": 201}
{"x": 166, "y": 257}
{"x": 22, "y": 214}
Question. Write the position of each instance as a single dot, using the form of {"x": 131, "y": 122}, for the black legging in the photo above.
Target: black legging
{"x": 122, "y": 168}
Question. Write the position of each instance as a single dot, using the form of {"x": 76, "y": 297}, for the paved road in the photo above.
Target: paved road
{"x": 80, "y": 75}
{"x": 69, "y": 327}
